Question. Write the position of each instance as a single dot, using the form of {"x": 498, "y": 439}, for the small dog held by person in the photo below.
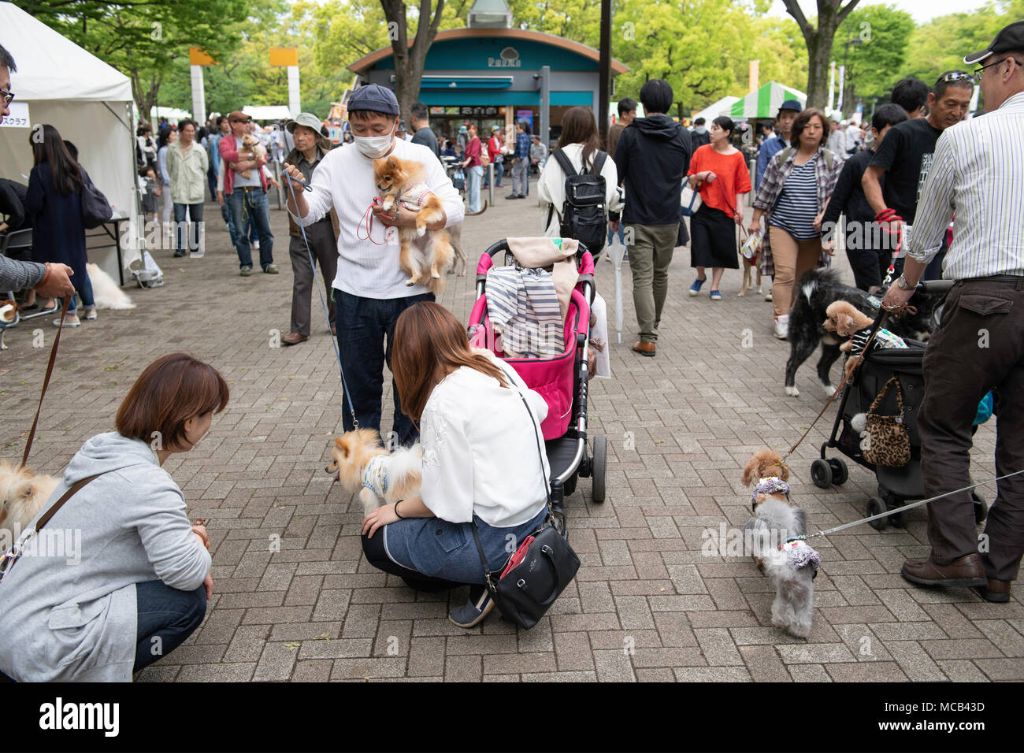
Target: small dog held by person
{"x": 22, "y": 495}
{"x": 400, "y": 184}
{"x": 361, "y": 464}
{"x": 777, "y": 536}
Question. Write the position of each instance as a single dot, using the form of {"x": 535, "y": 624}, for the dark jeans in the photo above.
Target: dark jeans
{"x": 194, "y": 226}
{"x": 979, "y": 346}
{"x": 377, "y": 556}
{"x": 325, "y": 253}
{"x": 166, "y": 614}
{"x": 229, "y": 220}
{"x": 366, "y": 329}
{"x": 251, "y": 204}
{"x": 869, "y": 266}
{"x": 83, "y": 289}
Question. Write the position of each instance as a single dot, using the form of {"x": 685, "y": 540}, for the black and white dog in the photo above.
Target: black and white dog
{"x": 821, "y": 287}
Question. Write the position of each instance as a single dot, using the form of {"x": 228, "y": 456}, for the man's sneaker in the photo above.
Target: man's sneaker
{"x": 476, "y": 608}
{"x": 697, "y": 285}
{"x": 245, "y": 271}
{"x": 768, "y": 294}
{"x": 178, "y": 254}
{"x": 271, "y": 269}
{"x": 782, "y": 327}
{"x": 715, "y": 295}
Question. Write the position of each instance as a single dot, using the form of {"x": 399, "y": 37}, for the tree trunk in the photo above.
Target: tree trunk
{"x": 410, "y": 57}
{"x": 831, "y": 13}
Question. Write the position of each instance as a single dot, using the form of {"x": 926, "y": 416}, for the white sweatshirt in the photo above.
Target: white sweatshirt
{"x": 368, "y": 267}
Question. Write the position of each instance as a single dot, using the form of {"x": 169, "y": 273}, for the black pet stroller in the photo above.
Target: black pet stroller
{"x": 896, "y": 486}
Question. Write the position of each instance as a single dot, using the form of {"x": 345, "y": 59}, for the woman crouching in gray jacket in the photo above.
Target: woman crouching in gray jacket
{"x": 135, "y": 582}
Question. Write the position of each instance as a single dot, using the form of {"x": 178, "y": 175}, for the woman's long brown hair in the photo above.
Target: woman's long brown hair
{"x": 579, "y": 127}
{"x": 430, "y": 343}
{"x": 50, "y": 148}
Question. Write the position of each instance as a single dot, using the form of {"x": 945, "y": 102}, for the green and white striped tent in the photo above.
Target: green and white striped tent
{"x": 765, "y": 102}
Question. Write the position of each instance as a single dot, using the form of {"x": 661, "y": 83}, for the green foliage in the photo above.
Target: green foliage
{"x": 940, "y": 45}
{"x": 872, "y": 42}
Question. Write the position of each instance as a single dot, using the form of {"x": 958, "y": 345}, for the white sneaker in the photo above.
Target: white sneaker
{"x": 782, "y": 327}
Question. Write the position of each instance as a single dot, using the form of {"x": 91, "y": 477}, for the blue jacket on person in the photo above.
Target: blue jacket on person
{"x": 768, "y": 150}
{"x": 522, "y": 146}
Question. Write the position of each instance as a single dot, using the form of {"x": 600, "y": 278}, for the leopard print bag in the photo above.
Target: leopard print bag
{"x": 888, "y": 442}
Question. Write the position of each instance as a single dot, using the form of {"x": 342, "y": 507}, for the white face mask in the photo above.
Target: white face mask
{"x": 374, "y": 147}
{"x": 700, "y": 129}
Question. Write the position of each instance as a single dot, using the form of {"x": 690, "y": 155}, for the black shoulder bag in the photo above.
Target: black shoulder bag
{"x": 538, "y": 571}
{"x": 95, "y": 207}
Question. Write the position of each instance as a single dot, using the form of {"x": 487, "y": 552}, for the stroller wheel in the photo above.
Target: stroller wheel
{"x": 840, "y": 473}
{"x": 876, "y": 506}
{"x": 599, "y": 463}
{"x": 821, "y": 473}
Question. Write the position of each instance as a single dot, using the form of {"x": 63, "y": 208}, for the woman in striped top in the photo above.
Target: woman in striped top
{"x": 794, "y": 193}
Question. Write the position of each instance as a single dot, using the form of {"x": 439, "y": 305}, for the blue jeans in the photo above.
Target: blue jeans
{"x": 195, "y": 216}
{"x": 166, "y": 618}
{"x": 473, "y": 176}
{"x": 83, "y": 290}
{"x": 622, "y": 234}
{"x": 251, "y": 204}
{"x": 499, "y": 173}
{"x": 366, "y": 330}
{"x": 436, "y": 549}
{"x": 229, "y": 220}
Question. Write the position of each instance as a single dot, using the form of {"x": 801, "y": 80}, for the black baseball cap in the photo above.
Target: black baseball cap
{"x": 1010, "y": 39}
{"x": 791, "y": 104}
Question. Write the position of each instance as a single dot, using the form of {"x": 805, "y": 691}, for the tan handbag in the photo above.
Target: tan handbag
{"x": 888, "y": 442}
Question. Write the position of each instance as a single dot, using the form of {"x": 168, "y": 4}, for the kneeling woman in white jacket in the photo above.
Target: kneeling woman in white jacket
{"x": 134, "y": 582}
{"x": 483, "y": 463}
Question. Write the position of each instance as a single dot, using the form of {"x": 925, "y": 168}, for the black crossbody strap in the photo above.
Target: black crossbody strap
{"x": 547, "y": 489}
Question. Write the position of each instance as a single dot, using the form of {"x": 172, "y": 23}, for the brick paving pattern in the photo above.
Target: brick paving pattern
{"x": 295, "y": 600}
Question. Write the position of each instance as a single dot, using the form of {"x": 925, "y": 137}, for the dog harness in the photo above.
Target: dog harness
{"x": 413, "y": 197}
{"x": 769, "y": 485}
{"x": 801, "y": 554}
{"x": 375, "y": 477}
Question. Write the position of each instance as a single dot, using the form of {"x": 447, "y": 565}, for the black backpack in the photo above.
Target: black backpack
{"x": 584, "y": 213}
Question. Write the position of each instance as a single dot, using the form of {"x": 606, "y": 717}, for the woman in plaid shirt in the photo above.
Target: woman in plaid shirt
{"x": 793, "y": 195}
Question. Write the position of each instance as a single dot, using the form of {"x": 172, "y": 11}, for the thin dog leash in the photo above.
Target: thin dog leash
{"x": 46, "y": 381}
{"x": 911, "y": 506}
{"x": 323, "y": 301}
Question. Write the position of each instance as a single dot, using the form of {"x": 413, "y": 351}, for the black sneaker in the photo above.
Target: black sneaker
{"x": 476, "y": 608}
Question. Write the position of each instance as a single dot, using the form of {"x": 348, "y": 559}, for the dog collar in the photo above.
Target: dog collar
{"x": 769, "y": 485}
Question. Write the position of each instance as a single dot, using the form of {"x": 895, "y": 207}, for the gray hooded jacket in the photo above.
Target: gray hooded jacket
{"x": 68, "y": 610}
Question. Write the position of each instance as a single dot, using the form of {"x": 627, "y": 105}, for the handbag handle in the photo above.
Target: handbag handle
{"x": 877, "y": 402}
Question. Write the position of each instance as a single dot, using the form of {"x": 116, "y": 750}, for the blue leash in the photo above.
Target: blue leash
{"x": 320, "y": 292}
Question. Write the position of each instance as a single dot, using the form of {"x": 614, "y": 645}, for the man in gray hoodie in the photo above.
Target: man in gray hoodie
{"x": 652, "y": 157}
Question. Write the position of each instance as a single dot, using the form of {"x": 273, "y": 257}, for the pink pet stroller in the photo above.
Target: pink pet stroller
{"x": 560, "y": 380}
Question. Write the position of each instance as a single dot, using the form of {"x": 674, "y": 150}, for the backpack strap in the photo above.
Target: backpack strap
{"x": 598, "y": 165}
{"x": 784, "y": 155}
{"x": 564, "y": 163}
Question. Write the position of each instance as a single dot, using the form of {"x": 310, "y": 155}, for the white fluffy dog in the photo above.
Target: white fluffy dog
{"x": 105, "y": 291}
{"x": 778, "y": 538}
{"x": 382, "y": 478}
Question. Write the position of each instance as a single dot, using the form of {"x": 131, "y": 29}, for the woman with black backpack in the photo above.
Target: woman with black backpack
{"x": 54, "y": 201}
{"x": 585, "y": 216}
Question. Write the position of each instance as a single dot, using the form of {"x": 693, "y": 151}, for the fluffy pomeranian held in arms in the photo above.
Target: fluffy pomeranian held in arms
{"x": 382, "y": 478}
{"x": 400, "y": 184}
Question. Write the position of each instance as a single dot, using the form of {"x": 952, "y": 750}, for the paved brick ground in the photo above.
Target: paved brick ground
{"x": 646, "y": 605}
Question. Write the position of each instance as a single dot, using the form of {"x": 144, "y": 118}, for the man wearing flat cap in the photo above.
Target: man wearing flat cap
{"x": 370, "y": 290}
{"x": 311, "y": 146}
{"x": 977, "y": 170}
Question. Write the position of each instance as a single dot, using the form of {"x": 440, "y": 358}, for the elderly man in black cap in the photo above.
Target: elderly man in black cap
{"x": 311, "y": 146}
{"x": 977, "y": 170}
{"x": 370, "y": 290}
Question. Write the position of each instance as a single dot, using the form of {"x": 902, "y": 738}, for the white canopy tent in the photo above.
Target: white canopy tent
{"x": 90, "y": 103}
{"x": 712, "y": 111}
{"x": 268, "y": 112}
